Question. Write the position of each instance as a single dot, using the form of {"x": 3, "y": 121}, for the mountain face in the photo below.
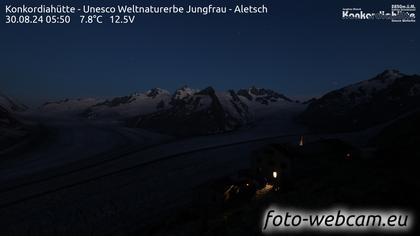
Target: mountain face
{"x": 132, "y": 105}
{"x": 262, "y": 96}
{"x": 157, "y": 99}
{"x": 69, "y": 106}
{"x": 364, "y": 104}
{"x": 186, "y": 111}
{"x": 6, "y": 120}
{"x": 11, "y": 105}
{"x": 203, "y": 112}
{"x": 183, "y": 93}
{"x": 264, "y": 102}
{"x": 11, "y": 130}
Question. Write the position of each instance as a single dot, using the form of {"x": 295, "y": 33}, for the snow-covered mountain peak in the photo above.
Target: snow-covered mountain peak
{"x": 154, "y": 92}
{"x": 380, "y": 99}
{"x": 184, "y": 92}
{"x": 241, "y": 106}
{"x": 199, "y": 112}
{"x": 372, "y": 86}
{"x": 132, "y": 105}
{"x": 261, "y": 95}
{"x": 389, "y": 75}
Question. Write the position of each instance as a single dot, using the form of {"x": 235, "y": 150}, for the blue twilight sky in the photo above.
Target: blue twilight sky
{"x": 301, "y": 48}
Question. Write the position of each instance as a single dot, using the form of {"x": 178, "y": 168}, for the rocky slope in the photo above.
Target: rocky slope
{"x": 10, "y": 104}
{"x": 11, "y": 130}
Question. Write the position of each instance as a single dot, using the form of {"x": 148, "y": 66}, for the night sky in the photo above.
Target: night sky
{"x": 301, "y": 49}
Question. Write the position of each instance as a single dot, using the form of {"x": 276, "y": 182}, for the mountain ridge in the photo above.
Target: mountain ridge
{"x": 155, "y": 99}
{"x": 364, "y": 104}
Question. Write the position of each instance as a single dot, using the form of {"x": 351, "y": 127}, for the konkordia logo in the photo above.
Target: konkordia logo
{"x": 398, "y": 13}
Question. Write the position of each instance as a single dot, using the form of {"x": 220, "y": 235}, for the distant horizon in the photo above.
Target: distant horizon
{"x": 301, "y": 98}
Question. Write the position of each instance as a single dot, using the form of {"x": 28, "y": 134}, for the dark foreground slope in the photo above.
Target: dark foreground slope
{"x": 401, "y": 139}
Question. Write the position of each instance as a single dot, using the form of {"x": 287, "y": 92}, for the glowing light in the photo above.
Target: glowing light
{"x": 275, "y": 174}
{"x": 301, "y": 141}
{"x": 262, "y": 192}
{"x": 348, "y": 156}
